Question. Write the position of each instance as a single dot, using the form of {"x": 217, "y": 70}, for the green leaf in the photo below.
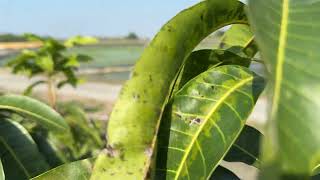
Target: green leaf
{"x": 33, "y": 37}
{"x": 2, "y": 176}
{"x": 222, "y": 173}
{"x": 240, "y": 40}
{"x": 286, "y": 32}
{"x": 246, "y": 149}
{"x": 136, "y": 115}
{"x": 213, "y": 107}
{"x": 34, "y": 109}
{"x": 79, "y": 170}
{"x": 202, "y": 60}
{"x": 45, "y": 63}
{"x": 29, "y": 89}
{"x": 48, "y": 149}
{"x": 80, "y": 40}
{"x": 19, "y": 153}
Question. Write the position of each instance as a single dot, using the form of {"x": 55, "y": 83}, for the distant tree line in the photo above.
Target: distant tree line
{"x": 12, "y": 38}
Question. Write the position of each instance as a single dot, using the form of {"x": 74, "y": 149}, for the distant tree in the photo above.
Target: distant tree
{"x": 11, "y": 38}
{"x": 50, "y": 61}
{"x": 132, "y": 35}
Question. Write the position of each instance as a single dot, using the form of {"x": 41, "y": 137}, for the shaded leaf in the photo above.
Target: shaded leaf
{"x": 240, "y": 40}
{"x": 19, "y": 153}
{"x": 50, "y": 152}
{"x": 201, "y": 60}
{"x": 79, "y": 170}
{"x": 213, "y": 107}
{"x": 246, "y": 149}
{"x": 222, "y": 173}
{"x": 34, "y": 109}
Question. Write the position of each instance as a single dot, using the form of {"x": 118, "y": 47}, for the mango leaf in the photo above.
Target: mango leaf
{"x": 286, "y": 34}
{"x": 79, "y": 170}
{"x": 201, "y": 60}
{"x": 2, "y": 176}
{"x": 144, "y": 96}
{"x": 213, "y": 107}
{"x": 19, "y": 153}
{"x": 35, "y": 110}
{"x": 240, "y": 40}
{"x": 48, "y": 149}
{"x": 246, "y": 149}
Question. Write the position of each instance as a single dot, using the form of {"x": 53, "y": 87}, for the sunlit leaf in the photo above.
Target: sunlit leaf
{"x": 144, "y": 96}
{"x": 213, "y": 107}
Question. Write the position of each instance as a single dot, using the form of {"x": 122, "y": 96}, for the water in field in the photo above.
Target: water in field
{"x": 106, "y": 56}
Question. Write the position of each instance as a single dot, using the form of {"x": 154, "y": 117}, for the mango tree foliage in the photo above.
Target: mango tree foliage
{"x": 286, "y": 32}
{"x": 136, "y": 116}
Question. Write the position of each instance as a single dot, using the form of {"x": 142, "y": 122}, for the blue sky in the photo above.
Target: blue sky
{"x": 63, "y": 18}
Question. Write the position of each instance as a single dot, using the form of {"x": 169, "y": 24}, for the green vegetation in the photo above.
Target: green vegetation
{"x": 183, "y": 111}
{"x": 50, "y": 62}
{"x": 132, "y": 35}
{"x": 12, "y": 38}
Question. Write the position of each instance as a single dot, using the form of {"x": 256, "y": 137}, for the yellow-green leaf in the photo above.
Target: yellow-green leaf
{"x": 204, "y": 119}
{"x": 287, "y": 35}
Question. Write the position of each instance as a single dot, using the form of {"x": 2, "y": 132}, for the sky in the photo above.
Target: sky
{"x": 65, "y": 18}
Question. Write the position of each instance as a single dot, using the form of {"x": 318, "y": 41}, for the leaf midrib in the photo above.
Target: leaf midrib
{"x": 280, "y": 56}
{"x": 214, "y": 108}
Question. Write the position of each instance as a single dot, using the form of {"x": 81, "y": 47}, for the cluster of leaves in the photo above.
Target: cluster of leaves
{"x": 35, "y": 139}
{"x": 51, "y": 60}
